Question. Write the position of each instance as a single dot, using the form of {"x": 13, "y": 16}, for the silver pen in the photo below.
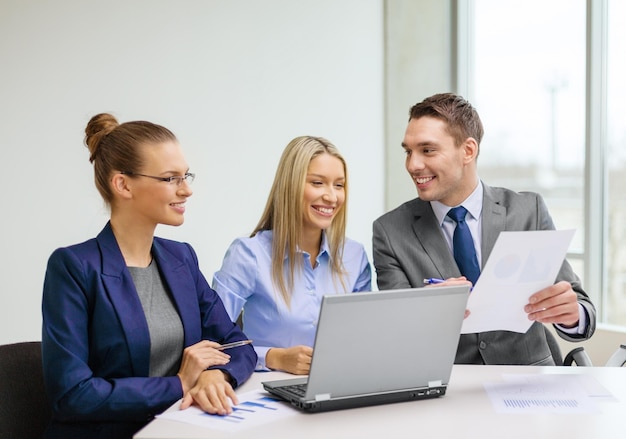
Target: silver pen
{"x": 233, "y": 344}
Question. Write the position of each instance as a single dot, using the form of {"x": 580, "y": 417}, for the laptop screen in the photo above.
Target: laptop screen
{"x": 386, "y": 340}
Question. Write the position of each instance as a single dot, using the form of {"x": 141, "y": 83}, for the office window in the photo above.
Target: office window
{"x": 527, "y": 65}
{"x": 615, "y": 312}
{"x": 529, "y": 88}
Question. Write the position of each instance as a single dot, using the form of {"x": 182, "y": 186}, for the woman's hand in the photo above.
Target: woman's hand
{"x": 212, "y": 393}
{"x": 196, "y": 359}
{"x": 296, "y": 359}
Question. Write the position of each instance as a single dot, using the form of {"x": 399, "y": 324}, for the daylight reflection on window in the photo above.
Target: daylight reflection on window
{"x": 616, "y": 138}
{"x": 530, "y": 91}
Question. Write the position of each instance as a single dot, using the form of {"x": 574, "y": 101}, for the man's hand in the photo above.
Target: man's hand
{"x": 556, "y": 304}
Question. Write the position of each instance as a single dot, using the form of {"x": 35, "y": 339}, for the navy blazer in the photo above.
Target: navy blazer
{"x": 409, "y": 246}
{"x": 95, "y": 339}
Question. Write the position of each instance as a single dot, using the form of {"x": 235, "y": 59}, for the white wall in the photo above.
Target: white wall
{"x": 235, "y": 80}
{"x": 418, "y": 54}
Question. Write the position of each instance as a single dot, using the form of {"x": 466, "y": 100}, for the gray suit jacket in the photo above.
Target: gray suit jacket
{"x": 409, "y": 246}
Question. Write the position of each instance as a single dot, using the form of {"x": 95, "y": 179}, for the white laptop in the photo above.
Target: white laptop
{"x": 379, "y": 347}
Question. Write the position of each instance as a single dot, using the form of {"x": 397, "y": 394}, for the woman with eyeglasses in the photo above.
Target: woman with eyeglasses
{"x": 130, "y": 325}
{"x": 297, "y": 253}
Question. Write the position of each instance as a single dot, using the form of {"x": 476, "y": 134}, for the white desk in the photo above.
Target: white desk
{"x": 464, "y": 412}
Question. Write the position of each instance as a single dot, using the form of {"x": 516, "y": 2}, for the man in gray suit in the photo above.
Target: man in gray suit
{"x": 415, "y": 241}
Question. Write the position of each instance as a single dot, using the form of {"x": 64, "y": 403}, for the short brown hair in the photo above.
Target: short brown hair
{"x": 461, "y": 117}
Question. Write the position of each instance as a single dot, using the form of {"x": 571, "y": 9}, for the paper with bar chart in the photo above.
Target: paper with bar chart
{"x": 549, "y": 393}
{"x": 254, "y": 408}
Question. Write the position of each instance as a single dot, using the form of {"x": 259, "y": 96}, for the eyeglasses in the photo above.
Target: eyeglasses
{"x": 174, "y": 179}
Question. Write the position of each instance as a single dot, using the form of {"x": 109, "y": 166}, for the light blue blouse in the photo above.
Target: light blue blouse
{"x": 245, "y": 283}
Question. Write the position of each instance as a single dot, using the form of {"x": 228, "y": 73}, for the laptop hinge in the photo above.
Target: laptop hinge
{"x": 322, "y": 397}
{"x": 436, "y": 383}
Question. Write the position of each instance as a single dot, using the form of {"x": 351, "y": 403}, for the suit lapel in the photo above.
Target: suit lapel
{"x": 493, "y": 221}
{"x": 177, "y": 277}
{"x": 121, "y": 291}
{"x": 428, "y": 232}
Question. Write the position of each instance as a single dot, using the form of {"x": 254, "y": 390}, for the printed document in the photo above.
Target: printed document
{"x": 255, "y": 408}
{"x": 547, "y": 393}
{"x": 520, "y": 264}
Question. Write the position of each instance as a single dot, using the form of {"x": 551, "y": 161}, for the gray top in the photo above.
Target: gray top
{"x": 164, "y": 324}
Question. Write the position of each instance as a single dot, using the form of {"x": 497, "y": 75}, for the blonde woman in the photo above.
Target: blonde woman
{"x": 297, "y": 253}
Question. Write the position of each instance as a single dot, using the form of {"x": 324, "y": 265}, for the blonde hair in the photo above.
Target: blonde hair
{"x": 283, "y": 213}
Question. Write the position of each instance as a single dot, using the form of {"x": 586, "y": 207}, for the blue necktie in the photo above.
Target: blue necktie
{"x": 464, "y": 250}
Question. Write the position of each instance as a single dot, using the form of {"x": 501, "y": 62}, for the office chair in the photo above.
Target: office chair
{"x": 580, "y": 357}
{"x": 240, "y": 320}
{"x": 555, "y": 350}
{"x": 577, "y": 355}
{"x": 24, "y": 409}
{"x": 618, "y": 359}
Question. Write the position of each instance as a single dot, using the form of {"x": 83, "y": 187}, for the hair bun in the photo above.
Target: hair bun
{"x": 97, "y": 128}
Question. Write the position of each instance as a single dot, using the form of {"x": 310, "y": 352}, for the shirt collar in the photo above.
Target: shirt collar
{"x": 473, "y": 204}
{"x": 324, "y": 245}
{"x": 324, "y": 248}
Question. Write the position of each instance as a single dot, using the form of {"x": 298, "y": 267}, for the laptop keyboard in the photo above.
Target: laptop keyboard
{"x": 296, "y": 389}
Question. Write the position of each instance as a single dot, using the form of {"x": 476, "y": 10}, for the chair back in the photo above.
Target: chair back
{"x": 554, "y": 347}
{"x": 618, "y": 359}
{"x": 24, "y": 407}
{"x": 577, "y": 356}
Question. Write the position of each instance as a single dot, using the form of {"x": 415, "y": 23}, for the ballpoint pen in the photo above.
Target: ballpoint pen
{"x": 233, "y": 344}
{"x": 433, "y": 280}
{"x": 436, "y": 280}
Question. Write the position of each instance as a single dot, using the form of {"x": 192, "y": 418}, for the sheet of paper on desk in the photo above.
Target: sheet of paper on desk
{"x": 520, "y": 264}
{"x": 549, "y": 393}
{"x": 255, "y": 408}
